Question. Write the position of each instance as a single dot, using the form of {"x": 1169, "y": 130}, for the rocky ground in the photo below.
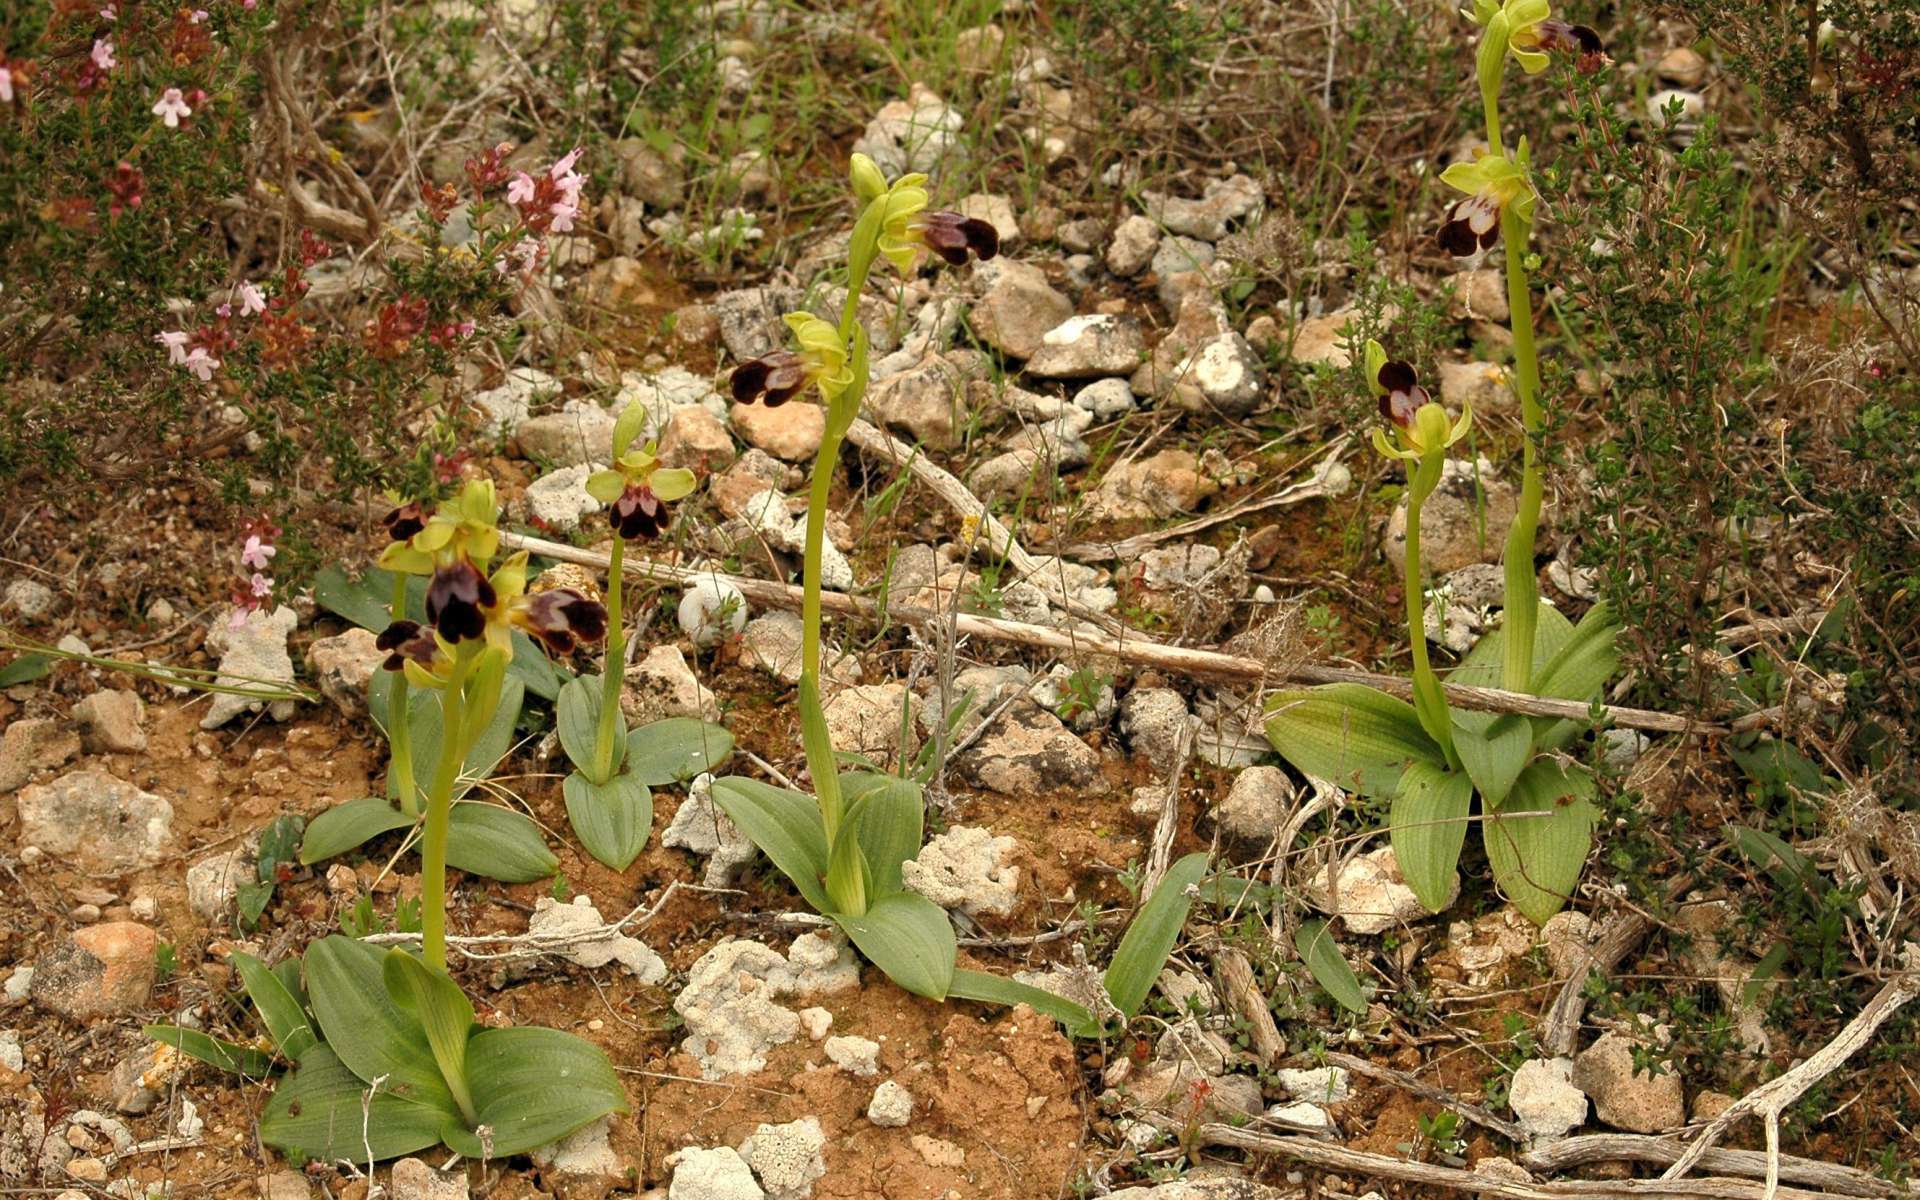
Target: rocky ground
{"x": 1099, "y": 388}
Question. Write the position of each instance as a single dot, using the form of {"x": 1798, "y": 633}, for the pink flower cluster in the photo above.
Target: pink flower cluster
{"x": 551, "y": 201}
{"x": 254, "y": 587}
{"x": 198, "y": 352}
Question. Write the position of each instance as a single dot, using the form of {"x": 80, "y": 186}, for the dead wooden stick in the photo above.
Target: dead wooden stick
{"x": 1664, "y": 1151}
{"x": 1771, "y": 1098}
{"x": 1560, "y": 1027}
{"x": 1126, "y": 645}
{"x": 1361, "y": 1162}
{"x": 1236, "y": 979}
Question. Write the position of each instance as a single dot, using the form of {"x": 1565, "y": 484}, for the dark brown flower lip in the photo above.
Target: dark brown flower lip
{"x": 773, "y": 378}
{"x": 562, "y": 618}
{"x": 1403, "y": 395}
{"x": 456, "y": 599}
{"x": 405, "y": 640}
{"x": 405, "y": 521}
{"x": 954, "y": 235}
{"x": 638, "y": 513}
{"x": 1458, "y": 235}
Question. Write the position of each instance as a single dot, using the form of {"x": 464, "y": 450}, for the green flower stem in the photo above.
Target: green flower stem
{"x": 1522, "y": 599}
{"x": 399, "y": 731}
{"x": 433, "y": 838}
{"x": 1429, "y": 701}
{"x": 615, "y": 670}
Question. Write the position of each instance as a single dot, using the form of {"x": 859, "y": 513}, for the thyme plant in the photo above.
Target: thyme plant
{"x": 1428, "y": 759}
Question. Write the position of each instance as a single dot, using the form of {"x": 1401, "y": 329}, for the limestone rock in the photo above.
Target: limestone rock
{"x": 696, "y": 439}
{"x": 112, "y": 721}
{"x": 968, "y": 869}
{"x": 559, "y": 501}
{"x": 854, "y": 1055}
{"x": 1087, "y": 347}
{"x": 1154, "y": 488}
{"x": 1544, "y": 1098}
{"x": 729, "y": 1002}
{"x": 1485, "y": 386}
{"x": 1224, "y": 376}
{"x": 33, "y": 745}
{"x": 506, "y": 407}
{"x": 788, "y": 431}
{"x": 30, "y": 600}
{"x": 1326, "y": 339}
{"x": 554, "y": 919}
{"x": 787, "y": 1158}
{"x": 654, "y": 178}
{"x": 413, "y": 1179}
{"x": 587, "y": 1153}
{"x": 1133, "y": 246}
{"x": 1105, "y": 399}
{"x": 919, "y": 133}
{"x": 214, "y": 881}
{"x": 1224, "y": 202}
{"x": 581, "y": 432}
{"x": 662, "y": 685}
{"x": 772, "y": 643}
{"x": 717, "y": 1174}
{"x": 1027, "y": 752}
{"x": 1460, "y": 523}
{"x": 700, "y": 827}
{"x": 1017, "y": 308}
{"x": 252, "y": 656}
{"x": 343, "y": 665}
{"x": 928, "y": 401}
{"x": 1153, "y": 719}
{"x": 891, "y": 1106}
{"x": 1257, "y": 804}
{"x": 97, "y": 822}
{"x": 1623, "y": 1097}
{"x": 99, "y": 971}
{"x": 1371, "y": 896}
{"x": 866, "y": 720}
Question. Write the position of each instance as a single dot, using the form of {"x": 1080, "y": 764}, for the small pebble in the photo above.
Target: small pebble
{"x": 596, "y": 1025}
{"x": 85, "y": 914}
{"x": 144, "y": 908}
{"x": 29, "y": 855}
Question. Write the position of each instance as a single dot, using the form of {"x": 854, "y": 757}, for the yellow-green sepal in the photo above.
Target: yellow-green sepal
{"x": 402, "y": 558}
{"x": 868, "y": 182}
{"x": 1376, "y": 357}
{"x": 632, "y": 419}
{"x": 606, "y": 486}
{"x": 672, "y": 483}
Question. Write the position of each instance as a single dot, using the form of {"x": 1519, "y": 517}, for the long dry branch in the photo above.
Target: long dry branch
{"x": 1125, "y": 646}
{"x": 1664, "y": 1151}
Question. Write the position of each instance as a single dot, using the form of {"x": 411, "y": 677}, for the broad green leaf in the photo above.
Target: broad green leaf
{"x": 889, "y": 816}
{"x": 499, "y": 843}
{"x": 25, "y": 668}
{"x": 675, "y": 750}
{"x": 535, "y": 671}
{"x": 1350, "y": 735}
{"x": 344, "y": 826}
{"x": 434, "y": 1000}
{"x": 1538, "y": 840}
{"x": 908, "y": 937}
{"x": 1314, "y": 941}
{"x": 1493, "y": 752}
{"x": 215, "y": 1052}
{"x": 286, "y": 1018}
{"x": 1790, "y": 869}
{"x": 372, "y": 1037}
{"x": 995, "y": 989}
{"x": 535, "y": 1086}
{"x": 1586, "y": 661}
{"x": 279, "y": 843}
{"x": 488, "y": 749}
{"x": 1481, "y": 666}
{"x": 363, "y": 601}
{"x": 849, "y": 880}
{"x": 1143, "y": 949}
{"x": 1429, "y": 826}
{"x": 611, "y": 819}
{"x": 576, "y": 716}
{"x": 785, "y": 825}
{"x": 326, "y": 1113}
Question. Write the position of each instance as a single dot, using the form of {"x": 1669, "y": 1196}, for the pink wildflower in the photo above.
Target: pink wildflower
{"x": 102, "y": 55}
{"x": 202, "y": 364}
{"x": 176, "y": 344}
{"x": 256, "y": 553}
{"x": 172, "y": 108}
{"x": 520, "y": 191}
{"x": 262, "y": 586}
{"x": 252, "y": 301}
{"x": 6, "y": 84}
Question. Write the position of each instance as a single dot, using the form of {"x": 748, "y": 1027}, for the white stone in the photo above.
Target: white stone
{"x": 1106, "y": 399}
{"x": 854, "y": 1055}
{"x": 1544, "y": 1100}
{"x": 1301, "y": 1115}
{"x": 30, "y": 600}
{"x": 506, "y": 406}
{"x": 717, "y": 1174}
{"x": 559, "y": 501}
{"x": 1625, "y": 1097}
{"x": 920, "y": 133}
{"x": 1087, "y": 347}
{"x": 11, "y": 1058}
{"x": 1256, "y": 805}
{"x": 772, "y": 642}
{"x": 581, "y": 432}
{"x": 95, "y": 822}
{"x": 214, "y": 881}
{"x": 663, "y": 685}
{"x": 1373, "y": 897}
{"x": 866, "y": 720}
{"x": 788, "y": 1158}
{"x": 415, "y": 1180}
{"x": 252, "y": 656}
{"x": 711, "y": 611}
{"x": 1321, "y": 1085}
{"x": 700, "y": 827}
{"x": 815, "y": 1021}
{"x": 891, "y": 1106}
{"x": 591, "y": 944}
{"x": 587, "y": 1151}
{"x": 968, "y": 869}
{"x": 767, "y": 515}
{"x": 729, "y": 1005}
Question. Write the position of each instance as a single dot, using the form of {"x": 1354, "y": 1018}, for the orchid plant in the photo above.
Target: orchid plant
{"x": 1427, "y": 758}
{"x": 387, "y": 1056}
{"x": 843, "y": 846}
{"x": 483, "y": 839}
{"x": 609, "y": 801}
